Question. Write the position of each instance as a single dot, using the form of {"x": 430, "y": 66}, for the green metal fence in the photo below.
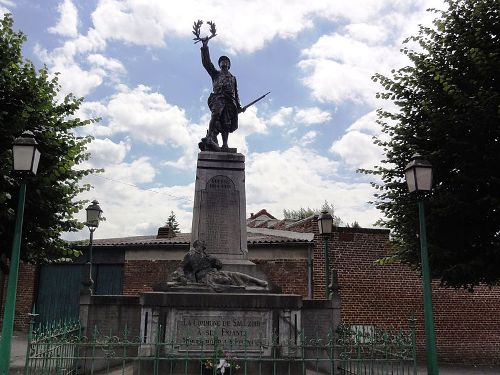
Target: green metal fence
{"x": 61, "y": 349}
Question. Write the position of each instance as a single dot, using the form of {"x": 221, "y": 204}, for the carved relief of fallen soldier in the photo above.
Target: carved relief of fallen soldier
{"x": 202, "y": 268}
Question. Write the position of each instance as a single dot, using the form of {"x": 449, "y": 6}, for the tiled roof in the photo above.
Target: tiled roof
{"x": 180, "y": 238}
{"x": 261, "y": 212}
{"x": 257, "y": 238}
{"x": 254, "y": 236}
{"x": 301, "y": 222}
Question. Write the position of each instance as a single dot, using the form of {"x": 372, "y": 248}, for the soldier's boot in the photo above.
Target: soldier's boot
{"x": 225, "y": 136}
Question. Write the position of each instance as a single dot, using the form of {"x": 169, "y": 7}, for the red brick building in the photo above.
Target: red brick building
{"x": 291, "y": 254}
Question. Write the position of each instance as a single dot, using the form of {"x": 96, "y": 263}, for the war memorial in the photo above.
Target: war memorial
{"x": 217, "y": 312}
{"x": 216, "y": 299}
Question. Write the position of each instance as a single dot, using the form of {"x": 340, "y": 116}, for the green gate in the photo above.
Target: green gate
{"x": 59, "y": 291}
{"x": 60, "y": 285}
{"x": 62, "y": 349}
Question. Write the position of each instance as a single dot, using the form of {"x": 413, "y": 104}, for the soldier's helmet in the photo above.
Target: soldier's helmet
{"x": 224, "y": 58}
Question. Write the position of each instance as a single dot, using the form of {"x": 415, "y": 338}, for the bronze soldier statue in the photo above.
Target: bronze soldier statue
{"x": 223, "y": 102}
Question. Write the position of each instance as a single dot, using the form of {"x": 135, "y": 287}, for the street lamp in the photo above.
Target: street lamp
{"x": 418, "y": 174}
{"x": 94, "y": 213}
{"x": 26, "y": 158}
{"x": 325, "y": 227}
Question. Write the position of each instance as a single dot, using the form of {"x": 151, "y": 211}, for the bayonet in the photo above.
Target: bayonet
{"x": 255, "y": 101}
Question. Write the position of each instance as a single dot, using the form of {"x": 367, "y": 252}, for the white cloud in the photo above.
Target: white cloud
{"x": 65, "y": 60}
{"x": 68, "y": 21}
{"x": 248, "y": 123}
{"x": 72, "y": 77}
{"x": 90, "y": 110}
{"x": 357, "y": 150}
{"x": 133, "y": 203}
{"x": 312, "y": 115}
{"x": 105, "y": 151}
{"x": 339, "y": 66}
{"x": 133, "y": 211}
{"x": 273, "y": 175}
{"x": 154, "y": 22}
{"x": 91, "y": 42}
{"x": 356, "y": 147}
{"x": 292, "y": 116}
{"x": 367, "y": 124}
{"x": 129, "y": 207}
{"x": 3, "y": 7}
{"x": 281, "y": 117}
{"x": 369, "y": 33}
{"x": 107, "y": 63}
{"x": 146, "y": 116}
{"x": 309, "y": 137}
{"x": 138, "y": 171}
{"x": 151, "y": 23}
{"x": 135, "y": 22}
{"x": 298, "y": 177}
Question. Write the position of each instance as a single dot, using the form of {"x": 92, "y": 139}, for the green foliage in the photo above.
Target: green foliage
{"x": 448, "y": 110}
{"x": 172, "y": 222}
{"x": 355, "y": 224}
{"x": 302, "y": 213}
{"x": 28, "y": 102}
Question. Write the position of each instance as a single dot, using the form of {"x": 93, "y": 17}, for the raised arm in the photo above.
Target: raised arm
{"x": 205, "y": 59}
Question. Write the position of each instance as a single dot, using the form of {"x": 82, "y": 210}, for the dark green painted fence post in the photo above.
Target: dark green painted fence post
{"x": 30, "y": 339}
{"x": 10, "y": 300}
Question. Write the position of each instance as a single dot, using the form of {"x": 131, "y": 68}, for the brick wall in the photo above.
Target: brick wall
{"x": 289, "y": 274}
{"x": 467, "y": 324}
{"x": 320, "y": 318}
{"x": 141, "y": 275}
{"x": 26, "y": 287}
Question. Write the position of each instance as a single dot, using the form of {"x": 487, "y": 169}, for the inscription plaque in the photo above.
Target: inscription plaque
{"x": 220, "y": 220}
{"x": 230, "y": 330}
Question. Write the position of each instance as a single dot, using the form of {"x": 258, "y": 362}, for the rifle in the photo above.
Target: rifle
{"x": 255, "y": 101}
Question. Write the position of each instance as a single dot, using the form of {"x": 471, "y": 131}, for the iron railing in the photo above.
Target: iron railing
{"x": 60, "y": 348}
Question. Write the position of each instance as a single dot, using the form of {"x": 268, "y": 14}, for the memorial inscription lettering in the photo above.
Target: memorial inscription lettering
{"x": 235, "y": 330}
{"x": 220, "y": 223}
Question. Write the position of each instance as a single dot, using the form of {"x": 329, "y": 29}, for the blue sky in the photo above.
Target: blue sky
{"x": 137, "y": 67}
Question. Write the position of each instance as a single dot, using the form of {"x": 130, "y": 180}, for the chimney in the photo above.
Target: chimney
{"x": 165, "y": 232}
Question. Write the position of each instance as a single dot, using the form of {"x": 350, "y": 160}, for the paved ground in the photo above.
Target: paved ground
{"x": 463, "y": 370}
{"x": 19, "y": 343}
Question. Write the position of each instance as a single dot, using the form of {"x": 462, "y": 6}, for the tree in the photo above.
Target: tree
{"x": 354, "y": 224}
{"x": 303, "y": 213}
{"x": 28, "y": 101}
{"x": 448, "y": 110}
{"x": 172, "y": 222}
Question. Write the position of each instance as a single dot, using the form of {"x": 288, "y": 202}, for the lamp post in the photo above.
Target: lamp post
{"x": 26, "y": 158}
{"x": 94, "y": 213}
{"x": 418, "y": 174}
{"x": 325, "y": 227}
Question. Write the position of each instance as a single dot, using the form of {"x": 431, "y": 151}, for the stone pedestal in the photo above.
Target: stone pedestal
{"x": 219, "y": 211}
{"x": 238, "y": 323}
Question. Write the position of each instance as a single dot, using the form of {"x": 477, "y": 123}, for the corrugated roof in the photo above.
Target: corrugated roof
{"x": 288, "y": 235}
